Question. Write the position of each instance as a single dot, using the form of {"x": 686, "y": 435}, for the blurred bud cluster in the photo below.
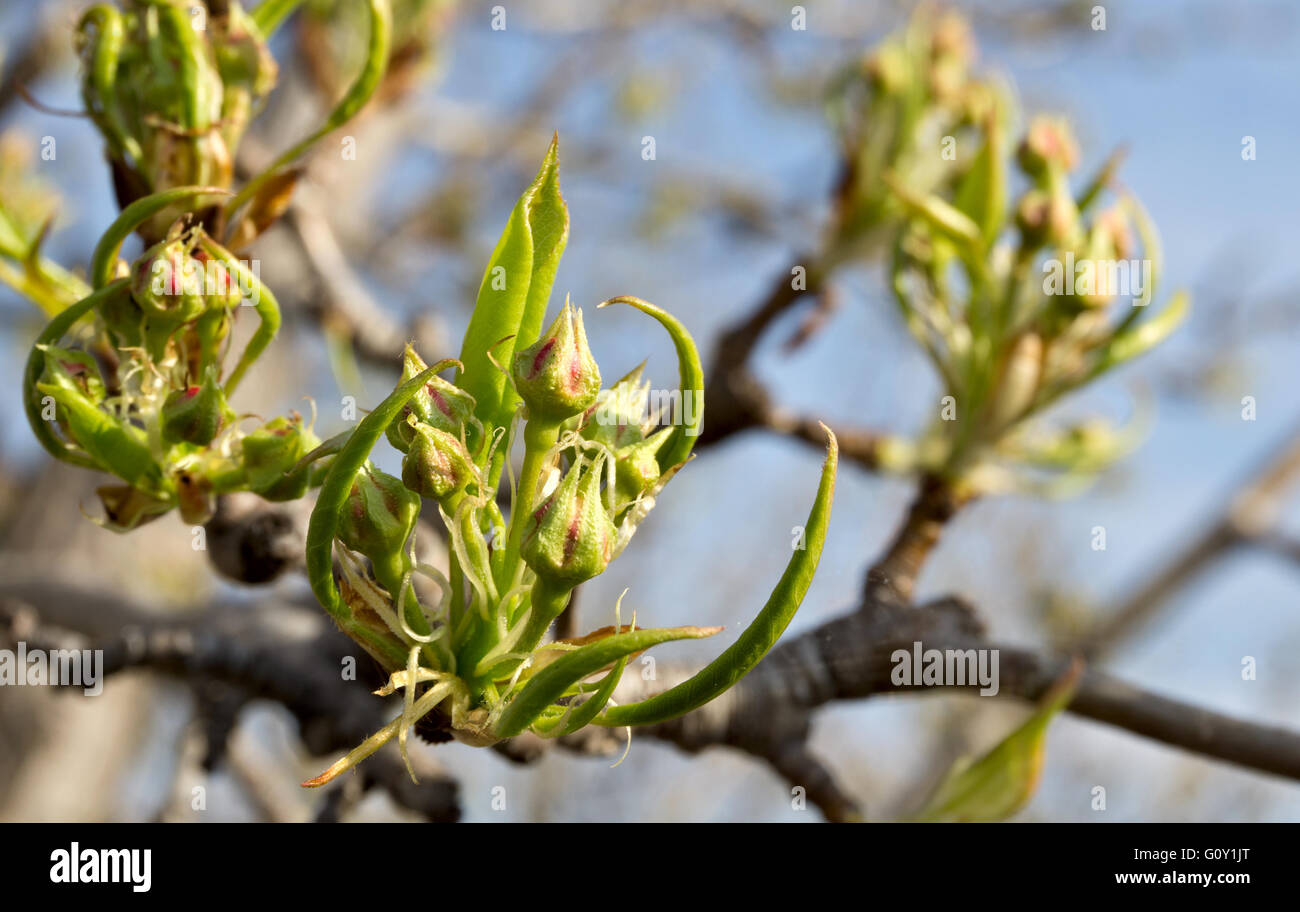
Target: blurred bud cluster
{"x": 1016, "y": 302}
{"x": 133, "y": 380}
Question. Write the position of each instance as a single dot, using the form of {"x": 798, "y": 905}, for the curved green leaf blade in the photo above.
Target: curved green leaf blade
{"x": 55, "y": 330}
{"x": 690, "y": 381}
{"x": 324, "y": 522}
{"x": 583, "y": 715}
{"x": 133, "y": 216}
{"x": 549, "y": 684}
{"x": 759, "y": 636}
{"x": 372, "y": 72}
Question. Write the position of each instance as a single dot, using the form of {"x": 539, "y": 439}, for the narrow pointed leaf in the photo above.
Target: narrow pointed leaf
{"x": 372, "y": 72}
{"x": 334, "y": 490}
{"x": 53, "y": 332}
{"x": 1002, "y": 781}
{"x": 759, "y": 636}
{"x": 551, "y": 682}
{"x": 690, "y": 380}
{"x": 514, "y": 292}
{"x": 939, "y": 214}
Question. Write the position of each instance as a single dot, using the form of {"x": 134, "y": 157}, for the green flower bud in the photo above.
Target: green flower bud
{"x": 569, "y": 538}
{"x": 636, "y": 466}
{"x": 196, "y": 414}
{"x": 1049, "y": 144}
{"x": 441, "y": 405}
{"x": 270, "y": 454}
{"x": 557, "y": 376}
{"x": 378, "y": 517}
{"x": 618, "y": 418}
{"x": 437, "y": 464}
{"x": 1033, "y": 217}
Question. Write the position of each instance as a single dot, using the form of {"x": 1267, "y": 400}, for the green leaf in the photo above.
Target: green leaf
{"x": 942, "y": 216}
{"x": 690, "y": 381}
{"x": 1135, "y": 340}
{"x": 53, "y": 332}
{"x": 270, "y": 13}
{"x": 759, "y": 636}
{"x": 372, "y": 72}
{"x": 1002, "y": 781}
{"x": 982, "y": 194}
{"x": 324, "y": 522}
{"x": 114, "y": 445}
{"x": 268, "y": 311}
{"x": 513, "y": 295}
{"x": 549, "y": 684}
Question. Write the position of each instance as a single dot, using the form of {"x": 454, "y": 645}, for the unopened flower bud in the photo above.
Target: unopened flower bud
{"x": 570, "y": 537}
{"x": 378, "y": 516}
{"x": 167, "y": 282}
{"x": 1033, "y": 217}
{"x": 197, "y": 413}
{"x": 1049, "y": 143}
{"x": 440, "y": 404}
{"x": 221, "y": 290}
{"x": 437, "y": 464}
{"x": 557, "y": 377}
{"x": 618, "y": 418}
{"x": 270, "y": 454}
{"x": 636, "y": 466}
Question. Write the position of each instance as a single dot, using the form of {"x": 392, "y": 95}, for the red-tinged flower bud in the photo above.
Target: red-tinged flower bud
{"x": 269, "y": 456}
{"x": 570, "y": 537}
{"x": 1049, "y": 143}
{"x": 441, "y": 405}
{"x": 1033, "y": 217}
{"x": 196, "y": 414}
{"x": 557, "y": 377}
{"x": 167, "y": 282}
{"x": 220, "y": 288}
{"x": 378, "y": 517}
{"x": 437, "y": 464}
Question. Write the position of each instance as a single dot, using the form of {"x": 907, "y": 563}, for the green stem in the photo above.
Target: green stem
{"x": 548, "y": 601}
{"x": 539, "y": 438}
